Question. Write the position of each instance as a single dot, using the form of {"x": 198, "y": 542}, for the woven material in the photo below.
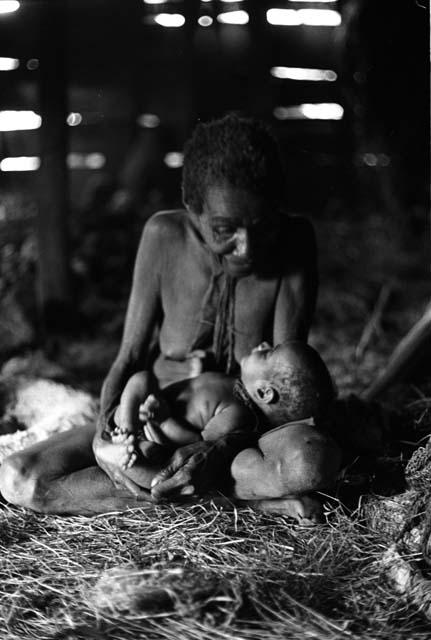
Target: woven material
{"x": 418, "y": 470}
{"x": 418, "y": 476}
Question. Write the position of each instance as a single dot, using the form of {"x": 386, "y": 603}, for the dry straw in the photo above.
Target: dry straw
{"x": 206, "y": 572}
{"x": 197, "y": 571}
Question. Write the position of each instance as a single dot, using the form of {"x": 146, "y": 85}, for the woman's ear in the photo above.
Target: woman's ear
{"x": 266, "y": 393}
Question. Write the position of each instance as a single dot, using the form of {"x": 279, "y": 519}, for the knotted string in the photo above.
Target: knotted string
{"x": 224, "y": 327}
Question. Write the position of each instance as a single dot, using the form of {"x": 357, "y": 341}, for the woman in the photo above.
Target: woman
{"x": 211, "y": 282}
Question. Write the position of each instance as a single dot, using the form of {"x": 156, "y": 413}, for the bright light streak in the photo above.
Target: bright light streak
{"x": 320, "y": 17}
{"x": 323, "y": 111}
{"x": 376, "y": 160}
{"x": 310, "y": 111}
{"x": 309, "y": 17}
{"x": 205, "y": 21}
{"x": 73, "y": 119}
{"x": 148, "y": 120}
{"x": 19, "y": 120}
{"x": 169, "y": 19}
{"x": 20, "y": 163}
{"x": 32, "y": 64}
{"x": 315, "y": 1}
{"x": 154, "y": 1}
{"x": 233, "y": 17}
{"x": 8, "y": 64}
{"x": 9, "y": 6}
{"x": 174, "y": 159}
{"x": 95, "y": 160}
{"x": 299, "y": 73}
{"x": 231, "y": 0}
{"x": 285, "y": 17}
{"x": 86, "y": 160}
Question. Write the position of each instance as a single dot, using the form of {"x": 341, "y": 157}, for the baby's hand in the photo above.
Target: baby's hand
{"x": 154, "y": 410}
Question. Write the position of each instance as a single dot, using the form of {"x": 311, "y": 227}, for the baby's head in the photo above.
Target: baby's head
{"x": 288, "y": 382}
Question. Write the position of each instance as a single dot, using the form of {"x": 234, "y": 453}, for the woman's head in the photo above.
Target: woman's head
{"x": 236, "y": 151}
{"x": 233, "y": 183}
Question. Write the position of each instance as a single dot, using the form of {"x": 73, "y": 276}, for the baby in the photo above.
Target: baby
{"x": 292, "y": 390}
{"x": 282, "y": 391}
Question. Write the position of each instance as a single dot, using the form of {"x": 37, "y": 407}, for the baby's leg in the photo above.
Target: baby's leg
{"x": 122, "y": 451}
{"x": 126, "y": 451}
{"x": 134, "y": 394}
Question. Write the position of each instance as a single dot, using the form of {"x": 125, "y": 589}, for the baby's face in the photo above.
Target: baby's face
{"x": 258, "y": 365}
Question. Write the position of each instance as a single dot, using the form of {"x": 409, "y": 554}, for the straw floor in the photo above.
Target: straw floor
{"x": 207, "y": 571}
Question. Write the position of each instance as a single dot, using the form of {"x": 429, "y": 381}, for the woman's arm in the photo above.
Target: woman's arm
{"x": 296, "y": 299}
{"x": 143, "y": 314}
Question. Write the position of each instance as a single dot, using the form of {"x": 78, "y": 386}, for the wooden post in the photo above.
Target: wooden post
{"x": 191, "y": 79}
{"x": 259, "y": 97}
{"x": 413, "y": 350}
{"x": 53, "y": 284}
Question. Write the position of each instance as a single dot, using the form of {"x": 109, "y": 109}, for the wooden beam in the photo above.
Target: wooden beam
{"x": 53, "y": 281}
{"x": 413, "y": 350}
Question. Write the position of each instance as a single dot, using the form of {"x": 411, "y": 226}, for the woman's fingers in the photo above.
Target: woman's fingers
{"x": 171, "y": 486}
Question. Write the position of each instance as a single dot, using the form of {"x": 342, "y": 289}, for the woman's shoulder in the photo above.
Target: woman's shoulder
{"x": 168, "y": 226}
{"x": 165, "y": 220}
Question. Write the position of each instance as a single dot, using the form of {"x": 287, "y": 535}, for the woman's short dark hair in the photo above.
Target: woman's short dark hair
{"x": 237, "y": 151}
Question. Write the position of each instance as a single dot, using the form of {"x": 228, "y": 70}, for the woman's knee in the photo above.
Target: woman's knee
{"x": 21, "y": 481}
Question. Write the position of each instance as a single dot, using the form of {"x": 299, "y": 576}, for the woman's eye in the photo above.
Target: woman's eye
{"x": 223, "y": 231}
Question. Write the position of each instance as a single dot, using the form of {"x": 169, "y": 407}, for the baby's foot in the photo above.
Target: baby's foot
{"x": 126, "y": 446}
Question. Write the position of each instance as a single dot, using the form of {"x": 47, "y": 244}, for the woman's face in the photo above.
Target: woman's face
{"x": 234, "y": 223}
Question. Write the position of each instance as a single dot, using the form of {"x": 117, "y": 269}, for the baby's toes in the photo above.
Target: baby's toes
{"x": 122, "y": 437}
{"x": 127, "y": 459}
{"x": 132, "y": 460}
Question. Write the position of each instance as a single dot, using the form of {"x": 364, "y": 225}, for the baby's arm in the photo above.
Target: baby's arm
{"x": 230, "y": 420}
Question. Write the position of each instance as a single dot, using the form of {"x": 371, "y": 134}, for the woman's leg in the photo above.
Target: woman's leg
{"x": 60, "y": 475}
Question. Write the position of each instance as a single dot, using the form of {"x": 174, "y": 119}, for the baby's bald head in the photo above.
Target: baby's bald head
{"x": 289, "y": 382}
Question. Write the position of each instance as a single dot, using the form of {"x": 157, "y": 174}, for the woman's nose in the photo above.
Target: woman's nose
{"x": 242, "y": 244}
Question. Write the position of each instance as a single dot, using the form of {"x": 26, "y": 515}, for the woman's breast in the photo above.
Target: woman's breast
{"x": 254, "y": 313}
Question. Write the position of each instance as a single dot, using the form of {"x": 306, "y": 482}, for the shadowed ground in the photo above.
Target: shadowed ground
{"x": 205, "y": 571}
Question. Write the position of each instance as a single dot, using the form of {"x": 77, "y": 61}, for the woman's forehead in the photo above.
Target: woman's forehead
{"x": 227, "y": 201}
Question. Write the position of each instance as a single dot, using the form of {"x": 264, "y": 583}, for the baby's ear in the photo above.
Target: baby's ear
{"x": 266, "y": 393}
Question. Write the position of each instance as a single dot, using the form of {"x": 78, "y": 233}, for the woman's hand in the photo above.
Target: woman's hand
{"x": 193, "y": 468}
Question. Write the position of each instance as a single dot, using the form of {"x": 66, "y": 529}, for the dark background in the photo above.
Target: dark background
{"x": 68, "y": 236}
